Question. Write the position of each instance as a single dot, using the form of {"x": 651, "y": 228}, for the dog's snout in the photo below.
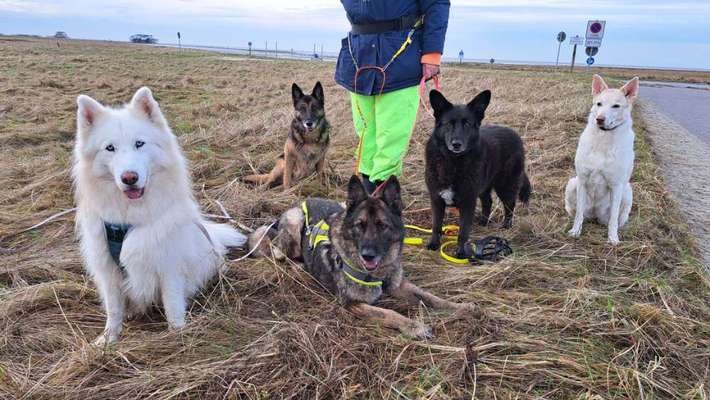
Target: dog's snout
{"x": 456, "y": 145}
{"x": 129, "y": 177}
{"x": 601, "y": 121}
{"x": 309, "y": 123}
{"x": 368, "y": 253}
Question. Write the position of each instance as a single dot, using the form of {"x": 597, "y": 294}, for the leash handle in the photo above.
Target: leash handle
{"x": 422, "y": 89}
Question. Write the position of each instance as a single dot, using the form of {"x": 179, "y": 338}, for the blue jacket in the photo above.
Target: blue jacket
{"x": 377, "y": 49}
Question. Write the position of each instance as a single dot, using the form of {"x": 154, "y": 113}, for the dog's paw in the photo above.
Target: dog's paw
{"x": 176, "y": 324}
{"x": 613, "y": 240}
{"x": 418, "y": 330}
{"x": 105, "y": 339}
{"x": 433, "y": 245}
{"x": 574, "y": 232}
{"x": 464, "y": 252}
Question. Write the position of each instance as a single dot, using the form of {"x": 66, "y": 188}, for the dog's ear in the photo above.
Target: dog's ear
{"x": 598, "y": 85}
{"x": 88, "y": 112}
{"x": 439, "y": 104}
{"x": 479, "y": 104}
{"x": 145, "y": 105}
{"x": 318, "y": 93}
{"x": 392, "y": 194}
{"x": 356, "y": 192}
{"x": 296, "y": 93}
{"x": 631, "y": 89}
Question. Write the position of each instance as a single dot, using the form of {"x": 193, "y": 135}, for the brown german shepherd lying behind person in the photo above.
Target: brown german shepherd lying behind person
{"x": 354, "y": 252}
{"x": 307, "y": 142}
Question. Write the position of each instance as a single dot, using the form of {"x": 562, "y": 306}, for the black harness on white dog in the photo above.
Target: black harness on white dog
{"x": 115, "y": 236}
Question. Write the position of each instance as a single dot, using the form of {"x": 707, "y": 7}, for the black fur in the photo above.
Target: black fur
{"x": 472, "y": 160}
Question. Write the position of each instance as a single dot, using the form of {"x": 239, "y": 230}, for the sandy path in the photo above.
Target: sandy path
{"x": 684, "y": 161}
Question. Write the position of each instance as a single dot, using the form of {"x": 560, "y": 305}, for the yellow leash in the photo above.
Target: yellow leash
{"x": 450, "y": 236}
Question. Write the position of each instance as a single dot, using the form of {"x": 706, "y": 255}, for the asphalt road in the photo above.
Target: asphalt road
{"x": 686, "y": 104}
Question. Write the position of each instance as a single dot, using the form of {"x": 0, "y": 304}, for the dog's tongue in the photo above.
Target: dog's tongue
{"x": 133, "y": 193}
{"x": 370, "y": 265}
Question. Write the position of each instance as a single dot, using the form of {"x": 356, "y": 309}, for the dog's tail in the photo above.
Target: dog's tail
{"x": 223, "y": 236}
{"x": 260, "y": 241}
{"x": 525, "y": 189}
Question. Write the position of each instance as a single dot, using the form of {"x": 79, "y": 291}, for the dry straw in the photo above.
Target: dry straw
{"x": 563, "y": 318}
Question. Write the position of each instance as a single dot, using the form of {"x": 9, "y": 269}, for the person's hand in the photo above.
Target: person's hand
{"x": 429, "y": 71}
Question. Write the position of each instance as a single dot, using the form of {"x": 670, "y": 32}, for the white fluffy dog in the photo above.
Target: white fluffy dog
{"x": 604, "y": 161}
{"x": 142, "y": 234}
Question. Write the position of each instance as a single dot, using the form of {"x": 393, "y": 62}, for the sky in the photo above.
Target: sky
{"x": 638, "y": 33}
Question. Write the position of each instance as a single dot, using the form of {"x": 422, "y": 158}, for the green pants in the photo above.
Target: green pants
{"x": 384, "y": 124}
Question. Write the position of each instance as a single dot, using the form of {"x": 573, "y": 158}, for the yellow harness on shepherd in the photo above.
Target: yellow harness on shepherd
{"x": 317, "y": 234}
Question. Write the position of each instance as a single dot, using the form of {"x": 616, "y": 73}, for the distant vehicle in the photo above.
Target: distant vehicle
{"x": 143, "y": 38}
{"x": 61, "y": 35}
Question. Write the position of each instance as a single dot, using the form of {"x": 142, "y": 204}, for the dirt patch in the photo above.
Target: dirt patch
{"x": 684, "y": 161}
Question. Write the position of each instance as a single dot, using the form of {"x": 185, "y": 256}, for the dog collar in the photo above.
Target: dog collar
{"x": 357, "y": 275}
{"x": 319, "y": 233}
{"x": 115, "y": 235}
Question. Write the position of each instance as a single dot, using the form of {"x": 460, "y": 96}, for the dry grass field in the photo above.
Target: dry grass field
{"x": 564, "y": 318}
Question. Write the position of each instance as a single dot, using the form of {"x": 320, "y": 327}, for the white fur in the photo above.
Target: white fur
{"x": 167, "y": 255}
{"x": 604, "y": 161}
{"x": 448, "y": 196}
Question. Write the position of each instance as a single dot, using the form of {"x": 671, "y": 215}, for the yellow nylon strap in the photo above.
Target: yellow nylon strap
{"x": 361, "y": 282}
{"x": 319, "y": 233}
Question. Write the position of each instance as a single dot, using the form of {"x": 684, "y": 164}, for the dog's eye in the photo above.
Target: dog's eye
{"x": 110, "y": 148}
{"x": 616, "y": 106}
{"x": 139, "y": 144}
{"x": 599, "y": 104}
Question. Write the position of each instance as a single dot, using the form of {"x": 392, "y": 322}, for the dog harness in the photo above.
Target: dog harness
{"x": 318, "y": 234}
{"x": 115, "y": 235}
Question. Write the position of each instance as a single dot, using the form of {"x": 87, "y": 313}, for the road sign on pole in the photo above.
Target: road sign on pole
{"x": 595, "y": 33}
{"x": 179, "y": 44}
{"x": 560, "y": 38}
{"x": 591, "y": 51}
{"x": 576, "y": 40}
{"x": 461, "y": 56}
{"x": 590, "y": 61}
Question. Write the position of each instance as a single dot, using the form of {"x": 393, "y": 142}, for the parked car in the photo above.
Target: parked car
{"x": 61, "y": 35}
{"x": 143, "y": 38}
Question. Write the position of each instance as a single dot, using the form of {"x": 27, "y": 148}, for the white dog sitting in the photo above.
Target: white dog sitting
{"x": 142, "y": 234}
{"x": 604, "y": 161}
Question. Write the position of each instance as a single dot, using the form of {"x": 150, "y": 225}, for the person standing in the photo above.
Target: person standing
{"x": 391, "y": 46}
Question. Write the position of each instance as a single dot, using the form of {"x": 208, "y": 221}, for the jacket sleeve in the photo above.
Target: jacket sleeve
{"x": 436, "y": 20}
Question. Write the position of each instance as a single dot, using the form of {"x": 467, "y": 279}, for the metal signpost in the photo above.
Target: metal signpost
{"x": 575, "y": 41}
{"x": 560, "y": 38}
{"x": 461, "y": 57}
{"x": 594, "y": 36}
{"x": 179, "y": 44}
{"x": 249, "y": 49}
{"x": 595, "y": 33}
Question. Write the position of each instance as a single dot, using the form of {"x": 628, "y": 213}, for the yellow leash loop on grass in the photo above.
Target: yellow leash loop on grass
{"x": 450, "y": 237}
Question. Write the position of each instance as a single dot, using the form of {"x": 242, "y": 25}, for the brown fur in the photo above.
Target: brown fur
{"x": 306, "y": 147}
{"x": 370, "y": 227}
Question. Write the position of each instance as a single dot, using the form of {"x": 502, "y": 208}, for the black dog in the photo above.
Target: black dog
{"x": 465, "y": 161}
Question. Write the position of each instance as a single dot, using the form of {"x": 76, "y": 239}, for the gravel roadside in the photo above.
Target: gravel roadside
{"x": 684, "y": 160}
